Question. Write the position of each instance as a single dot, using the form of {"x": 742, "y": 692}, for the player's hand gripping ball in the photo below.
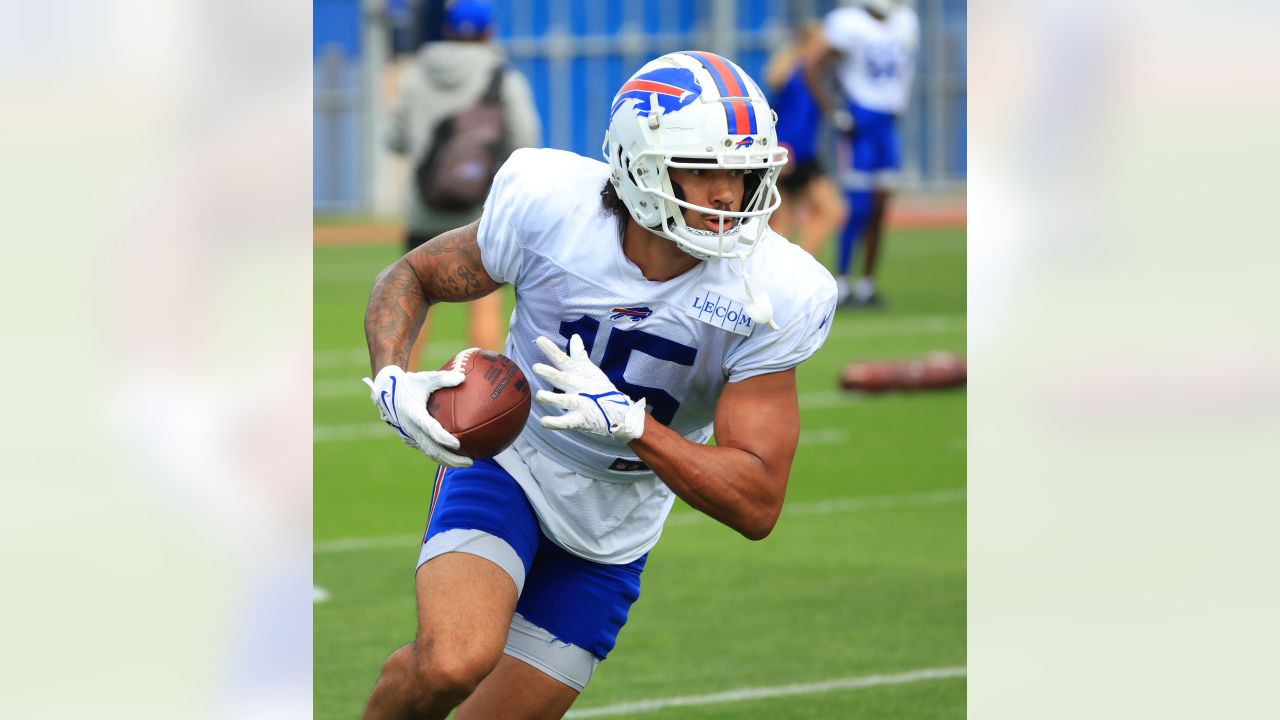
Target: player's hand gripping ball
{"x": 401, "y": 399}
{"x": 489, "y": 409}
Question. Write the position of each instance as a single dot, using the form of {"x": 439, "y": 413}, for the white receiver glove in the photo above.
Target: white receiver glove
{"x": 401, "y": 399}
{"x": 594, "y": 405}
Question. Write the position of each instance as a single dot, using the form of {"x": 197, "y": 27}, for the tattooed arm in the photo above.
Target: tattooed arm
{"x": 446, "y": 268}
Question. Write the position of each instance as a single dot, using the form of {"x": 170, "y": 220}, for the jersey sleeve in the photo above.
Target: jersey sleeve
{"x": 910, "y": 28}
{"x": 505, "y": 210}
{"x": 768, "y": 351}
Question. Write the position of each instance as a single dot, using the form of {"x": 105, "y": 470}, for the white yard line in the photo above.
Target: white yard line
{"x": 375, "y": 430}
{"x": 823, "y": 436}
{"x": 357, "y": 359}
{"x": 818, "y": 400}
{"x": 347, "y": 387}
{"x": 822, "y": 399}
{"x": 358, "y": 431}
{"x": 760, "y": 693}
{"x": 356, "y": 544}
{"x": 828, "y": 506}
{"x": 353, "y": 387}
{"x": 359, "y": 275}
{"x": 907, "y": 326}
{"x": 841, "y": 505}
{"x": 354, "y": 358}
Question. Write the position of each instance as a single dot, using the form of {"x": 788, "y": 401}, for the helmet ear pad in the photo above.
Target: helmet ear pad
{"x": 677, "y": 191}
{"x": 647, "y": 211}
{"x": 750, "y": 186}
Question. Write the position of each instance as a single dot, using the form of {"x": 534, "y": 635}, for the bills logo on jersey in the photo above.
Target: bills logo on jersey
{"x": 674, "y": 88}
{"x": 715, "y": 309}
{"x": 745, "y": 142}
{"x": 634, "y": 314}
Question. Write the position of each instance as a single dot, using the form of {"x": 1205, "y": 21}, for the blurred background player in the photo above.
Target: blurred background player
{"x": 447, "y": 77}
{"x": 871, "y": 49}
{"x": 811, "y": 208}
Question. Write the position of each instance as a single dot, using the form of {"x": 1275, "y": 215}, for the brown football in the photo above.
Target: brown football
{"x": 944, "y": 370}
{"x": 870, "y": 377}
{"x": 935, "y": 371}
{"x": 489, "y": 409}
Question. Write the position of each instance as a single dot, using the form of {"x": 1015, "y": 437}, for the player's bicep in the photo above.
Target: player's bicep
{"x": 449, "y": 266}
{"x": 761, "y": 415}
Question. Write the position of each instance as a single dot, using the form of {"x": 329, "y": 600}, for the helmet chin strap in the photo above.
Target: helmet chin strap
{"x": 758, "y": 306}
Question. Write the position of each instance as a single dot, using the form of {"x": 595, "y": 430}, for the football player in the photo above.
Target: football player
{"x": 654, "y": 306}
{"x": 872, "y": 49}
{"x": 812, "y": 207}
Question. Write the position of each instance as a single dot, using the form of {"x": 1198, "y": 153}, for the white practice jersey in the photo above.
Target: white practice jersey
{"x": 674, "y": 343}
{"x": 877, "y": 66}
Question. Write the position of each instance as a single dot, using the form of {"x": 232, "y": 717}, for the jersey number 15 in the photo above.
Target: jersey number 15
{"x": 618, "y": 351}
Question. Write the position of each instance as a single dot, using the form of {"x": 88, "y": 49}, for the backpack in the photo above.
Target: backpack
{"x": 456, "y": 173}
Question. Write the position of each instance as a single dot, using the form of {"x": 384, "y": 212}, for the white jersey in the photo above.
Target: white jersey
{"x": 877, "y": 66}
{"x": 675, "y": 343}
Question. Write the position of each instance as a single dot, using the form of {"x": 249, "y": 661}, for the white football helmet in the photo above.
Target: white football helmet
{"x": 694, "y": 109}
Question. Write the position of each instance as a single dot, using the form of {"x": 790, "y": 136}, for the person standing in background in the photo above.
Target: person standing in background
{"x": 871, "y": 49}
{"x": 809, "y": 199}
{"x": 448, "y": 77}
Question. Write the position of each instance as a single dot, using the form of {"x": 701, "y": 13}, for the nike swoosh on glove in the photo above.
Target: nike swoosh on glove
{"x": 591, "y": 401}
{"x": 401, "y": 399}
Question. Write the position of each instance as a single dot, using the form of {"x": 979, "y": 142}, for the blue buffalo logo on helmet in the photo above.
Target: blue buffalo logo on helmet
{"x": 745, "y": 142}
{"x": 674, "y": 88}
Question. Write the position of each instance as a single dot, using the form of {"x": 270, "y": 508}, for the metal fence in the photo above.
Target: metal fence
{"x": 576, "y": 53}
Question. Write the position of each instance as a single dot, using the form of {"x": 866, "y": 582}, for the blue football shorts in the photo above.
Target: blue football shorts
{"x": 570, "y": 609}
{"x": 873, "y": 156}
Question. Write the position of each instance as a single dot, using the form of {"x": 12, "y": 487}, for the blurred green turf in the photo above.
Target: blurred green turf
{"x": 839, "y": 590}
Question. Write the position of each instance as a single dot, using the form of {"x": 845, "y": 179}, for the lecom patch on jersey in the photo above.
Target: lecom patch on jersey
{"x": 718, "y": 310}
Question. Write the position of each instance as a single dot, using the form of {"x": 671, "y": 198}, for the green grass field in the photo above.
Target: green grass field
{"x": 863, "y": 576}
